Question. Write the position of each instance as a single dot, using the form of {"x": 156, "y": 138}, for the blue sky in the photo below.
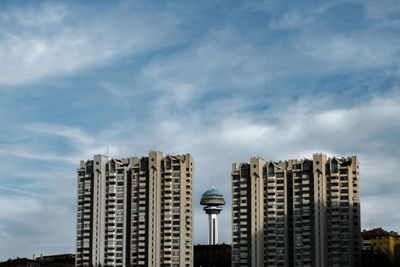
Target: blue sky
{"x": 222, "y": 80}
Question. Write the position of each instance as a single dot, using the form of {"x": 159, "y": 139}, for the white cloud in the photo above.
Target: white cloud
{"x": 299, "y": 18}
{"x": 75, "y": 134}
{"x": 290, "y": 21}
{"x": 218, "y": 136}
{"x": 352, "y": 52}
{"x": 380, "y": 210}
{"x": 29, "y": 226}
{"x": 220, "y": 61}
{"x": 384, "y": 13}
{"x": 324, "y": 49}
{"x": 23, "y": 152}
{"x": 83, "y": 145}
{"x": 244, "y": 117}
{"x": 50, "y": 40}
{"x": 44, "y": 15}
{"x": 12, "y": 207}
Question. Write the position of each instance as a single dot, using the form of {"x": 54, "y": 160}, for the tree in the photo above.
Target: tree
{"x": 396, "y": 256}
{"x": 371, "y": 258}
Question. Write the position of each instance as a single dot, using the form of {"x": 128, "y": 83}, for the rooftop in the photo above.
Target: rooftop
{"x": 212, "y": 192}
{"x": 378, "y": 232}
{"x": 212, "y": 197}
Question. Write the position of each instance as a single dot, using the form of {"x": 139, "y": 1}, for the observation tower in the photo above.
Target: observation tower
{"x": 212, "y": 200}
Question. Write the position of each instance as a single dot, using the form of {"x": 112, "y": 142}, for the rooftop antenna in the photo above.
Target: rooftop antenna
{"x": 107, "y": 150}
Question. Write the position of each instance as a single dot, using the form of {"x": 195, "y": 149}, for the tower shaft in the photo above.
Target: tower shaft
{"x": 212, "y": 229}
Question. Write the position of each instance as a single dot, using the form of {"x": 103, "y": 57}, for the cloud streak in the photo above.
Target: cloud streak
{"x": 22, "y": 192}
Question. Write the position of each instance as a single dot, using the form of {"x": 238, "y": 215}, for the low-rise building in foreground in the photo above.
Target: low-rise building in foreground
{"x": 379, "y": 239}
{"x": 212, "y": 255}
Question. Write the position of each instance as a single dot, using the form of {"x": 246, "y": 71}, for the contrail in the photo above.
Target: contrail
{"x": 22, "y": 192}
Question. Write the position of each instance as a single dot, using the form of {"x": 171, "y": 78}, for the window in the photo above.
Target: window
{"x": 271, "y": 170}
{"x": 334, "y": 166}
{"x": 168, "y": 164}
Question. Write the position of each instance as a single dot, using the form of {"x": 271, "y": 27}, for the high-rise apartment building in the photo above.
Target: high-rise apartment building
{"x": 296, "y": 212}
{"x": 135, "y": 211}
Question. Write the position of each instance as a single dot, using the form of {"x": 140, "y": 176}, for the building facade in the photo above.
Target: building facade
{"x": 135, "y": 211}
{"x": 296, "y": 212}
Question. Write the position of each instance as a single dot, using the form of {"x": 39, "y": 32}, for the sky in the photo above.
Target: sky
{"x": 222, "y": 80}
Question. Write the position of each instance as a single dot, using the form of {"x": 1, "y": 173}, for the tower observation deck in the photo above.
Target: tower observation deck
{"x": 213, "y": 201}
